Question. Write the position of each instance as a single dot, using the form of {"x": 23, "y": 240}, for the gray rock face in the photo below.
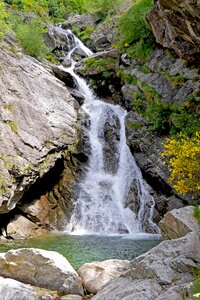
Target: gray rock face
{"x": 80, "y": 21}
{"x": 178, "y": 222}
{"x": 111, "y": 136}
{"x": 47, "y": 269}
{"x": 175, "y": 25}
{"x": 11, "y": 289}
{"x": 124, "y": 289}
{"x": 170, "y": 77}
{"x": 37, "y": 120}
{"x": 161, "y": 273}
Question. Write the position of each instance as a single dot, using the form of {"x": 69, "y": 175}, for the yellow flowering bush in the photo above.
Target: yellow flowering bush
{"x": 182, "y": 155}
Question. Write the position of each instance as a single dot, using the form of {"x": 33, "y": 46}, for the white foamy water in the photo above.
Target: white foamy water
{"x": 100, "y": 206}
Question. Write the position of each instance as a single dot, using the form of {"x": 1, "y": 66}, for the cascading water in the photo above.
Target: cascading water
{"x": 111, "y": 171}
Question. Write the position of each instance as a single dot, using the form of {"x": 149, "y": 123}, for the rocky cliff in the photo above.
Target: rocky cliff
{"x": 176, "y": 26}
{"x": 37, "y": 127}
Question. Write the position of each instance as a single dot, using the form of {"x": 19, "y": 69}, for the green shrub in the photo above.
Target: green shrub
{"x": 4, "y": 25}
{"x": 166, "y": 118}
{"x": 30, "y": 36}
{"x": 143, "y": 48}
{"x": 132, "y": 25}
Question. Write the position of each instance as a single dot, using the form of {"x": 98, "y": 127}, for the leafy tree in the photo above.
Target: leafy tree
{"x": 183, "y": 160}
{"x": 4, "y": 26}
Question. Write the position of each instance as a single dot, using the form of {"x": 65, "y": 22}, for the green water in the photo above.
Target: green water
{"x": 87, "y": 248}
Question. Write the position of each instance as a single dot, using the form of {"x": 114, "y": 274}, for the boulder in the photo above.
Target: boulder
{"x": 47, "y": 269}
{"x": 78, "y": 96}
{"x": 64, "y": 76}
{"x": 161, "y": 273}
{"x": 22, "y": 227}
{"x": 80, "y": 21}
{"x": 175, "y": 24}
{"x": 96, "y": 274}
{"x": 169, "y": 261}
{"x": 11, "y": 289}
{"x": 178, "y": 223}
{"x": 71, "y": 297}
{"x": 129, "y": 92}
{"x": 99, "y": 63}
{"x": 56, "y": 38}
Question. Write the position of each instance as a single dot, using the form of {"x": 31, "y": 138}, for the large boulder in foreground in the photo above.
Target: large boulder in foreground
{"x": 47, "y": 269}
{"x": 96, "y": 274}
{"x": 168, "y": 267}
{"x": 175, "y": 24}
{"x": 11, "y": 289}
{"x": 178, "y": 223}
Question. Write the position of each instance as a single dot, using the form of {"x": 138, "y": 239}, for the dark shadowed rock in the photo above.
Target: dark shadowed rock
{"x": 78, "y": 96}
{"x": 64, "y": 76}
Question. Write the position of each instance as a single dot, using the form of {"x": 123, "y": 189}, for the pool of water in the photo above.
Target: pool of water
{"x": 79, "y": 249}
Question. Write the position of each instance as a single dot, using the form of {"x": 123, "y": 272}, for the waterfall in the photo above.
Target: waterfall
{"x": 101, "y": 205}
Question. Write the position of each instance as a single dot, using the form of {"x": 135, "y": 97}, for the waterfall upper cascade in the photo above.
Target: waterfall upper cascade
{"x": 101, "y": 206}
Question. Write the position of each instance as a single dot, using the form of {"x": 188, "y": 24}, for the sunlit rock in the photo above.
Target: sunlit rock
{"x": 38, "y": 267}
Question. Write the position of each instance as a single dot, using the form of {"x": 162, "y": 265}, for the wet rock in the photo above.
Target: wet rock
{"x": 64, "y": 76}
{"x": 78, "y": 96}
{"x": 96, "y": 275}
{"x": 21, "y": 228}
{"x": 66, "y": 63}
{"x": 175, "y": 25}
{"x": 178, "y": 222}
{"x": 11, "y": 289}
{"x": 56, "y": 38}
{"x": 111, "y": 136}
{"x": 38, "y": 267}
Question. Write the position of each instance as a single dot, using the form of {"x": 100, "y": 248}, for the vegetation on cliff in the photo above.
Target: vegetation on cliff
{"x": 184, "y": 163}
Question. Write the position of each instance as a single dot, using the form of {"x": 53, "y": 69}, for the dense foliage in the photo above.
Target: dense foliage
{"x": 132, "y": 25}
{"x": 183, "y": 155}
{"x": 4, "y": 26}
{"x": 30, "y": 36}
